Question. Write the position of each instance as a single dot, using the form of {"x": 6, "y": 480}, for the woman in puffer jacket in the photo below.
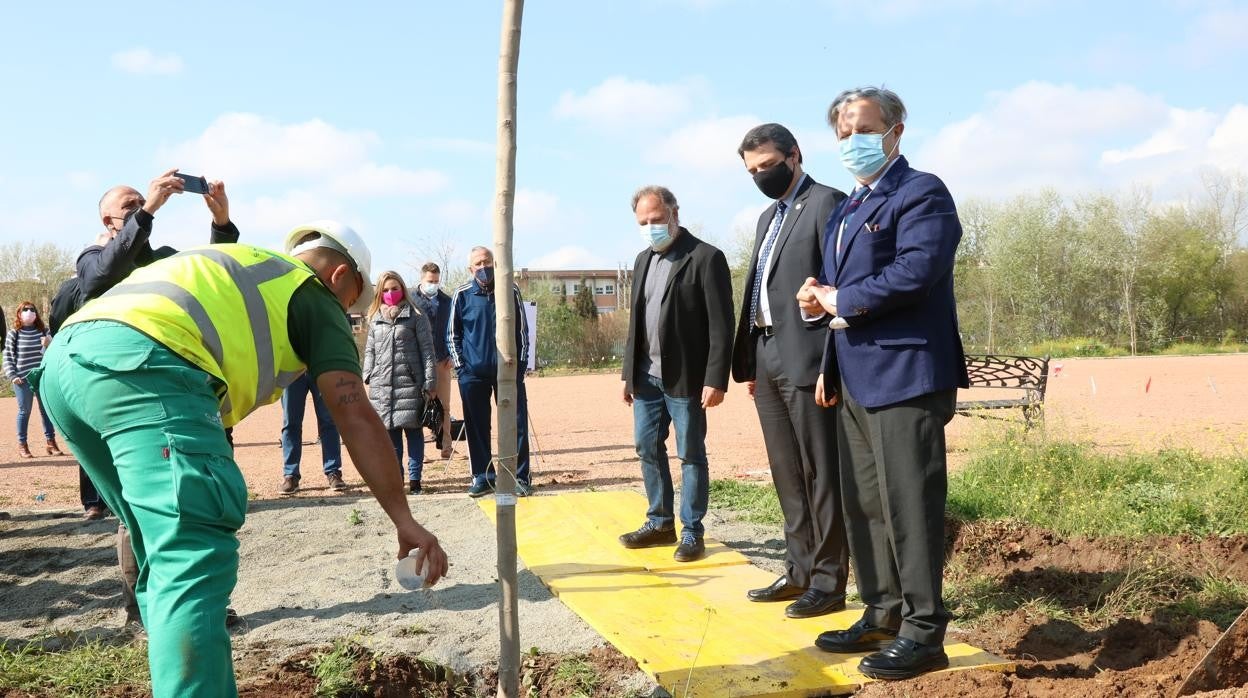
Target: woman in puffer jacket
{"x": 399, "y": 369}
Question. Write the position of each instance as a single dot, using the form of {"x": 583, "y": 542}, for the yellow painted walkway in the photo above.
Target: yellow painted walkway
{"x": 685, "y": 622}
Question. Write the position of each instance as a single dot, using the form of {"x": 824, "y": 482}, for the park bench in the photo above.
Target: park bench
{"x": 1024, "y": 377}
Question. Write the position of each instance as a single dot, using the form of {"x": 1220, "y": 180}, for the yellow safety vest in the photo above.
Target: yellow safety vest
{"x": 221, "y": 307}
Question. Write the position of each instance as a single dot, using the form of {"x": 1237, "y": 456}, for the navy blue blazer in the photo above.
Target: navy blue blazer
{"x": 895, "y": 289}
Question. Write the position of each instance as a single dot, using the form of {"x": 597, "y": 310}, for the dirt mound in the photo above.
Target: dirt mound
{"x": 1004, "y": 547}
{"x": 602, "y": 672}
{"x": 1105, "y": 645}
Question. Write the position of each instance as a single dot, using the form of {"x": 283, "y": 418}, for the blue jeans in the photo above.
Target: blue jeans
{"x": 294, "y": 400}
{"x": 415, "y": 450}
{"x": 25, "y": 396}
{"x": 653, "y": 412}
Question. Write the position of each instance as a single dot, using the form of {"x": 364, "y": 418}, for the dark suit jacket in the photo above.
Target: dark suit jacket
{"x": 895, "y": 289}
{"x": 796, "y": 255}
{"x": 695, "y": 322}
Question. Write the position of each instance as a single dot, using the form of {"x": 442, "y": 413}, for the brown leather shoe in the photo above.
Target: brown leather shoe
{"x": 24, "y": 452}
{"x": 53, "y": 449}
{"x": 290, "y": 485}
{"x": 335, "y": 482}
{"x": 93, "y": 513}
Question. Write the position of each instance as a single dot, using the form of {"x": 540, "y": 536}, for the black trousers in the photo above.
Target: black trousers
{"x": 893, "y": 475}
{"x": 800, "y": 438}
{"x": 87, "y": 493}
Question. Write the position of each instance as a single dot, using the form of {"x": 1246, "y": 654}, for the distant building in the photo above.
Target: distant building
{"x": 609, "y": 286}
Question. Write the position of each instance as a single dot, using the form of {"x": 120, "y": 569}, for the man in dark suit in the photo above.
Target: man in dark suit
{"x": 776, "y": 354}
{"x": 676, "y": 366}
{"x": 887, "y": 282}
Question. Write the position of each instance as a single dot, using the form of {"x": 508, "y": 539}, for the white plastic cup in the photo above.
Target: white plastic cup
{"x": 406, "y": 574}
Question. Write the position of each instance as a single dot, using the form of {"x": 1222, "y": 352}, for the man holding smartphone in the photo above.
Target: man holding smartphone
{"x": 123, "y": 247}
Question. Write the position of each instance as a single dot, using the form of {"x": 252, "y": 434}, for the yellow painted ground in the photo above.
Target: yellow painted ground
{"x": 685, "y": 622}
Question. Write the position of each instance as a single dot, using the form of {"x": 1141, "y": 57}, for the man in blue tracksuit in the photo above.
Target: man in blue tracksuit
{"x": 471, "y": 341}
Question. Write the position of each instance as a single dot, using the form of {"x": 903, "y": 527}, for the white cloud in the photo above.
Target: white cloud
{"x": 569, "y": 257}
{"x": 1064, "y": 137}
{"x": 621, "y": 103}
{"x": 141, "y": 61}
{"x": 241, "y": 146}
{"x": 533, "y": 210}
{"x": 1183, "y": 132}
{"x": 1228, "y": 146}
{"x": 387, "y": 180}
{"x": 706, "y": 145}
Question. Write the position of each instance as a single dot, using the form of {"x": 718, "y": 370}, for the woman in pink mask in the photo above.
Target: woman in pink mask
{"x": 399, "y": 369}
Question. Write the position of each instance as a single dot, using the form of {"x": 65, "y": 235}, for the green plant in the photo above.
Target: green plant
{"x": 355, "y": 518}
{"x": 1072, "y": 488}
{"x": 577, "y": 675}
{"x": 81, "y": 669}
{"x": 335, "y": 670}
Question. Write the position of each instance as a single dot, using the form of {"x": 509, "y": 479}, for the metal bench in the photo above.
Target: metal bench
{"x": 1025, "y": 376}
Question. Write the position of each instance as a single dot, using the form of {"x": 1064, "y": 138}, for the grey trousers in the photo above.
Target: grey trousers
{"x": 893, "y": 478}
{"x": 800, "y": 437}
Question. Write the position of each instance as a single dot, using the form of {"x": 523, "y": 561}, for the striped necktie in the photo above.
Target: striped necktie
{"x": 764, "y": 254}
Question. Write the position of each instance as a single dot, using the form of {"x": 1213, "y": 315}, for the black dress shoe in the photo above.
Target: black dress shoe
{"x": 904, "y": 659}
{"x": 779, "y": 590}
{"x": 860, "y": 637}
{"x": 815, "y": 603}
{"x": 648, "y": 536}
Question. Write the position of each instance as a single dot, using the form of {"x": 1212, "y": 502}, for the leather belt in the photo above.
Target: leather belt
{"x": 768, "y": 331}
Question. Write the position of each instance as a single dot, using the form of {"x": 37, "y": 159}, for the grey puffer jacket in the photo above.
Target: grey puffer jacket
{"x": 398, "y": 366}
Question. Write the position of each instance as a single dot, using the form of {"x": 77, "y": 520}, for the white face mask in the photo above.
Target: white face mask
{"x": 28, "y": 317}
{"x": 429, "y": 289}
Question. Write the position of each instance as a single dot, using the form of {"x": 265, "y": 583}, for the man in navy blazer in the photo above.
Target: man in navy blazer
{"x": 894, "y": 353}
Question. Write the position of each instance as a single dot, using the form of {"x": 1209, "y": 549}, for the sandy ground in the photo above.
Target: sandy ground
{"x": 309, "y": 575}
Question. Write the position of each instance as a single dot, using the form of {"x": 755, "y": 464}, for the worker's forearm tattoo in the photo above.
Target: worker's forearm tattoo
{"x": 352, "y": 387}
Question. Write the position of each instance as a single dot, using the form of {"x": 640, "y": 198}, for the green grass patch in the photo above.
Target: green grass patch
{"x": 335, "y": 671}
{"x": 576, "y": 676}
{"x": 753, "y": 502}
{"x": 1188, "y": 348}
{"x": 81, "y": 670}
{"x": 1075, "y": 490}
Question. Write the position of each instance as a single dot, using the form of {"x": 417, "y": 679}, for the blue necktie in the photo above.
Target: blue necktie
{"x": 852, "y": 206}
{"x": 763, "y": 254}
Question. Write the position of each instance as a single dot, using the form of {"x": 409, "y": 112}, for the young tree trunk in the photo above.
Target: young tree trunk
{"x": 508, "y": 365}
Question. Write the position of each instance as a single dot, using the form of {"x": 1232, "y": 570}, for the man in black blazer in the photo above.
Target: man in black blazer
{"x": 675, "y": 366}
{"x": 776, "y": 354}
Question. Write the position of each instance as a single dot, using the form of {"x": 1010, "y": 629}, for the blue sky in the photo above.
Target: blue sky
{"x": 383, "y": 114}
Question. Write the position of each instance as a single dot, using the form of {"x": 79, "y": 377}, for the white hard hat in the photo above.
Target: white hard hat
{"x": 340, "y": 238}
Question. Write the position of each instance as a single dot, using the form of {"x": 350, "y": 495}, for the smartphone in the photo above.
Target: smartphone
{"x": 195, "y": 185}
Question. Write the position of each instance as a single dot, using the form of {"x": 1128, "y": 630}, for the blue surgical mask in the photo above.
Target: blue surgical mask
{"x": 863, "y": 153}
{"x": 656, "y": 235}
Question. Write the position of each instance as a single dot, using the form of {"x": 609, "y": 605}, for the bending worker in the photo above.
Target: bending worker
{"x": 143, "y": 381}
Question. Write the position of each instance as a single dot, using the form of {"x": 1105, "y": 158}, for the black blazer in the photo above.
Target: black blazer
{"x": 796, "y": 255}
{"x": 695, "y": 323}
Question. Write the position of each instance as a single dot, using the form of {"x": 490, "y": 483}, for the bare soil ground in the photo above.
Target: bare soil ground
{"x": 582, "y": 438}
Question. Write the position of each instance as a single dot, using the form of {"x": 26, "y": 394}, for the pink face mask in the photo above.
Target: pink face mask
{"x": 391, "y": 297}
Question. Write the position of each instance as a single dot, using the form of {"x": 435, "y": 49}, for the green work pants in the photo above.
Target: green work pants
{"x": 146, "y": 426}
